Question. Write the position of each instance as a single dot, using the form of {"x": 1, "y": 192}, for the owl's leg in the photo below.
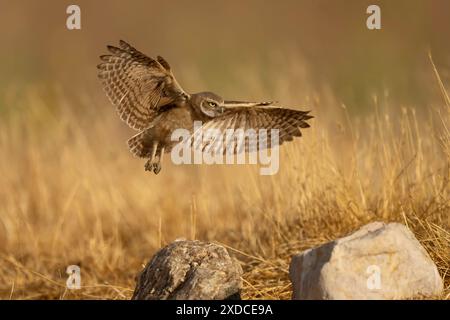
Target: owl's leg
{"x": 150, "y": 162}
{"x": 158, "y": 165}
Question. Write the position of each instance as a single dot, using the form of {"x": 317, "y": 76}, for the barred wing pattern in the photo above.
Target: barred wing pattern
{"x": 136, "y": 84}
{"x": 252, "y": 128}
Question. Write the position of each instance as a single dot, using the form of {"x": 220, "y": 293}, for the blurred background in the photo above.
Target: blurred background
{"x": 218, "y": 46}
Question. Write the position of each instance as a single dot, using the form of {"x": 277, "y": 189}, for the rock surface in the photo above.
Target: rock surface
{"x": 379, "y": 261}
{"x": 191, "y": 270}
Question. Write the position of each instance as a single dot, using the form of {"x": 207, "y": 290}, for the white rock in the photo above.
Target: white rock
{"x": 379, "y": 261}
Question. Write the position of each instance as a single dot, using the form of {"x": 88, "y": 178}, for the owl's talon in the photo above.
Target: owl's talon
{"x": 156, "y": 168}
{"x": 148, "y": 166}
{"x": 153, "y": 166}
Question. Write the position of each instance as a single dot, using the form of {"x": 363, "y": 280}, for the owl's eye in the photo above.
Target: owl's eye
{"x": 212, "y": 104}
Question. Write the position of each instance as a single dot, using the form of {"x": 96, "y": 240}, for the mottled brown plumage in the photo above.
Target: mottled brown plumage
{"x": 149, "y": 99}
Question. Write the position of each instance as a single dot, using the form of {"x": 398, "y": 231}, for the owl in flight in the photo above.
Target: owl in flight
{"x": 150, "y": 100}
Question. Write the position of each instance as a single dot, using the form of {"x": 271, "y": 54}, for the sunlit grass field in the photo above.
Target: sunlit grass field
{"x": 71, "y": 193}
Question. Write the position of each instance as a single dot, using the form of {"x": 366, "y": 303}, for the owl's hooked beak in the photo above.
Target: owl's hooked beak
{"x": 184, "y": 96}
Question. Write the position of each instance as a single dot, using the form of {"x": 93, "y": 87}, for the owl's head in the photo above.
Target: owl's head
{"x": 209, "y": 103}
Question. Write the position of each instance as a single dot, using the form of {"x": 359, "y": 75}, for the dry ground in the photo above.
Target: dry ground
{"x": 70, "y": 193}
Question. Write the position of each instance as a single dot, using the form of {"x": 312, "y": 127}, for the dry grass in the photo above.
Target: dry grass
{"x": 70, "y": 193}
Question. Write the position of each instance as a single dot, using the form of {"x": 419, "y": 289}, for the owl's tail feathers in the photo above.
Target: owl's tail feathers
{"x": 139, "y": 146}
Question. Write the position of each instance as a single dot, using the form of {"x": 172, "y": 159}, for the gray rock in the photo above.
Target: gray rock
{"x": 379, "y": 261}
{"x": 191, "y": 270}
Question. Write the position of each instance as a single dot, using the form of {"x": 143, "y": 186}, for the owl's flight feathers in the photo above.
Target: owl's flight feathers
{"x": 136, "y": 84}
{"x": 139, "y": 86}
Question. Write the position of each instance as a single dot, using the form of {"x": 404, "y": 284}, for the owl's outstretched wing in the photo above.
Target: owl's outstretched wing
{"x": 136, "y": 84}
{"x": 246, "y": 124}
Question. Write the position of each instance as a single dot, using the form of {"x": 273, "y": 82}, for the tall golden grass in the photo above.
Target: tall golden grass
{"x": 70, "y": 193}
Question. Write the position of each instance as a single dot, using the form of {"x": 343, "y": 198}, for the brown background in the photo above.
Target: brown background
{"x": 217, "y": 44}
